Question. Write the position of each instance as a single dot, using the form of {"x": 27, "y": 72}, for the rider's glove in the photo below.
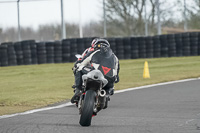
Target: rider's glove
{"x": 76, "y": 65}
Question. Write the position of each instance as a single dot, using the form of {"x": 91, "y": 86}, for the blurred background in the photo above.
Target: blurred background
{"x": 44, "y": 20}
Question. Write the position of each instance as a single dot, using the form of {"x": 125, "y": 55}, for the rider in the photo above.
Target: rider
{"x": 100, "y": 57}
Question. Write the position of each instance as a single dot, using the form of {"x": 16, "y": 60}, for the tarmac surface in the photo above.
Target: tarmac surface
{"x": 170, "y": 108}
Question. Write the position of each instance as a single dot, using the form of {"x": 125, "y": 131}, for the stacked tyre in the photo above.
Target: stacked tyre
{"x": 194, "y": 43}
{"x": 4, "y": 54}
{"x": 179, "y": 45}
{"x": 171, "y": 45}
{"x": 149, "y": 47}
{"x": 80, "y": 46}
{"x": 134, "y": 48}
{"x": 186, "y": 44}
{"x": 50, "y": 52}
{"x": 19, "y": 53}
{"x": 26, "y": 52}
{"x": 87, "y": 42}
{"x": 0, "y": 58}
{"x": 41, "y": 53}
{"x": 119, "y": 48}
{"x": 12, "y": 59}
{"x": 156, "y": 47}
{"x": 33, "y": 48}
{"x": 142, "y": 47}
{"x": 164, "y": 45}
{"x": 57, "y": 52}
{"x": 199, "y": 44}
{"x": 112, "y": 44}
{"x": 73, "y": 50}
{"x": 65, "y": 50}
{"x": 127, "y": 48}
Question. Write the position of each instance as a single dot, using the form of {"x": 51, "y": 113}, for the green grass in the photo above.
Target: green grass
{"x": 28, "y": 87}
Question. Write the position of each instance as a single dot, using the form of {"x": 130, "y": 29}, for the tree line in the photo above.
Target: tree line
{"x": 123, "y": 18}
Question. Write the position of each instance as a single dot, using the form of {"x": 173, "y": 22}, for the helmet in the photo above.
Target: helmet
{"x": 99, "y": 42}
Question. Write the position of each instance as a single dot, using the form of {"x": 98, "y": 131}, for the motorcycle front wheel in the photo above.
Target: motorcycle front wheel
{"x": 87, "y": 108}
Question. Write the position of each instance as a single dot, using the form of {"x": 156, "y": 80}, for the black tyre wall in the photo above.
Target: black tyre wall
{"x": 156, "y": 47}
{"x": 73, "y": 49}
{"x": 142, "y": 47}
{"x": 4, "y": 54}
{"x": 19, "y": 53}
{"x": 134, "y": 48}
{"x": 50, "y": 52}
{"x": 164, "y": 46}
{"x": 193, "y": 43}
{"x": 87, "y": 42}
{"x": 41, "y": 53}
{"x": 33, "y": 48}
{"x": 149, "y": 47}
{"x": 119, "y": 48}
{"x": 57, "y": 52}
{"x": 112, "y": 44}
{"x": 127, "y": 48}
{"x": 12, "y": 59}
{"x": 186, "y": 44}
{"x": 179, "y": 45}
{"x": 171, "y": 45}
{"x": 26, "y": 52}
{"x": 80, "y": 46}
{"x": 65, "y": 50}
{"x": 199, "y": 44}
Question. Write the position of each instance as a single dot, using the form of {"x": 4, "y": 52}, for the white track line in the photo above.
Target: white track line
{"x": 69, "y": 103}
{"x": 153, "y": 85}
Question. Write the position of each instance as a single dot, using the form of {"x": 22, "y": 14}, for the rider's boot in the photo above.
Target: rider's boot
{"x": 78, "y": 87}
{"x": 111, "y": 91}
{"x": 77, "y": 93}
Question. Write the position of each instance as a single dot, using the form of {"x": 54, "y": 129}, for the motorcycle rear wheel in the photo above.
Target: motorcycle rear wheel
{"x": 87, "y": 108}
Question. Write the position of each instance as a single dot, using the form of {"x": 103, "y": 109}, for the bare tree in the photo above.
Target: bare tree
{"x": 126, "y": 14}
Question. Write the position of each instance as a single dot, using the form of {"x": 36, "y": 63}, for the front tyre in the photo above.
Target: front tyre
{"x": 87, "y": 108}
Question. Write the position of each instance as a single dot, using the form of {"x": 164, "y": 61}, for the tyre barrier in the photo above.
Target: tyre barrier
{"x": 73, "y": 49}
{"x": 156, "y": 47}
{"x": 134, "y": 48}
{"x": 112, "y": 44}
{"x": 41, "y": 53}
{"x": 50, "y": 52}
{"x": 127, "y": 48}
{"x": 119, "y": 48}
{"x": 65, "y": 50}
{"x": 179, "y": 45}
{"x": 57, "y": 52}
{"x": 4, "y": 54}
{"x": 164, "y": 46}
{"x": 186, "y": 44}
{"x": 193, "y": 43}
{"x": 30, "y": 52}
{"x": 149, "y": 47}
{"x": 12, "y": 58}
{"x": 171, "y": 45}
{"x": 33, "y": 48}
{"x": 142, "y": 47}
{"x": 26, "y": 52}
{"x": 80, "y": 46}
{"x": 199, "y": 44}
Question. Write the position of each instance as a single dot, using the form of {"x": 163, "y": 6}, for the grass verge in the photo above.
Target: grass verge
{"x": 27, "y": 87}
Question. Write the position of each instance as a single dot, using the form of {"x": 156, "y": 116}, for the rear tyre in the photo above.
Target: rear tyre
{"x": 87, "y": 108}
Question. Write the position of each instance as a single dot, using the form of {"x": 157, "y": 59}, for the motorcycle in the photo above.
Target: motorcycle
{"x": 93, "y": 97}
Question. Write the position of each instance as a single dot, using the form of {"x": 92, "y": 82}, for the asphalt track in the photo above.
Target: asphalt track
{"x": 167, "y": 108}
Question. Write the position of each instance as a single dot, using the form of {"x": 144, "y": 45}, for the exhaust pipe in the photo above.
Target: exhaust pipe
{"x": 102, "y": 99}
{"x": 102, "y": 93}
